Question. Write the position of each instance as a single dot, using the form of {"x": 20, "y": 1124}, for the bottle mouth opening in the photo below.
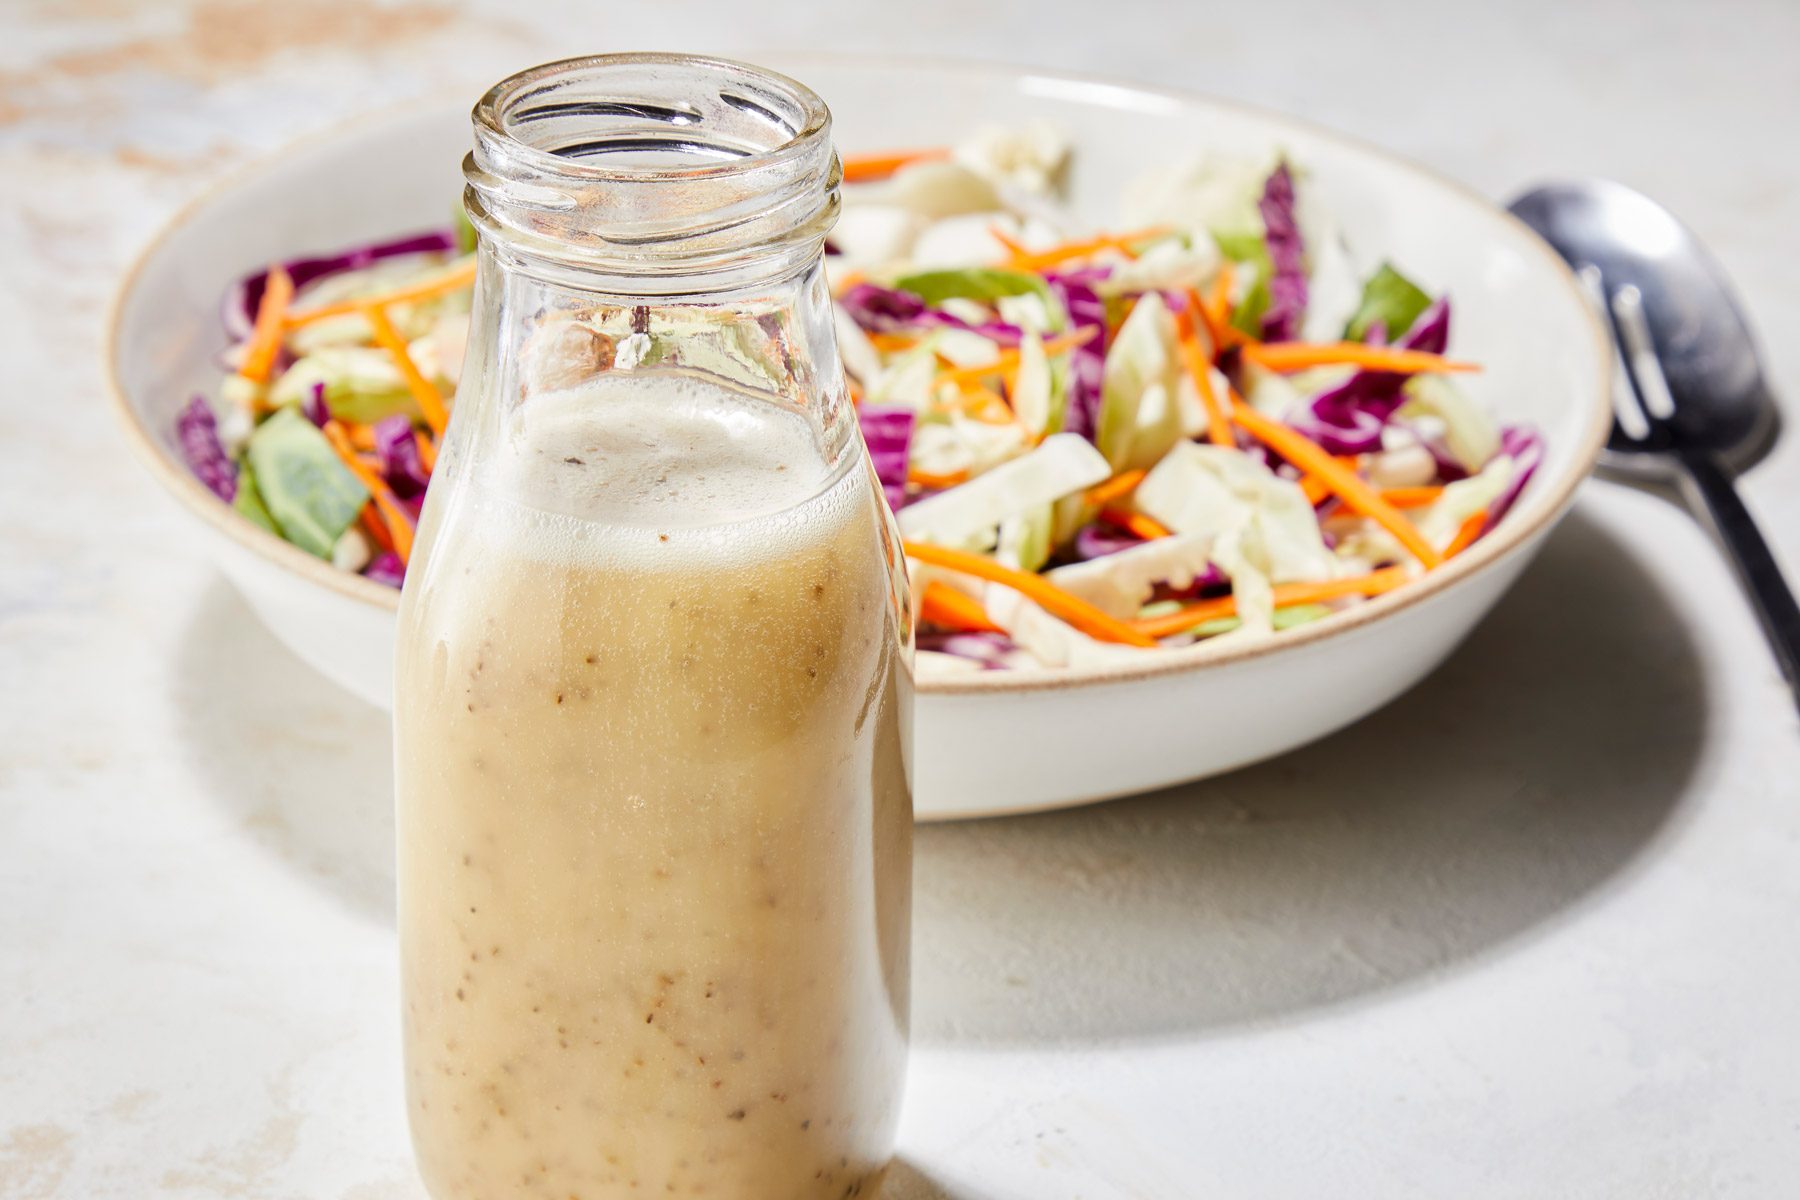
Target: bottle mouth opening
{"x": 641, "y": 161}
{"x": 653, "y": 116}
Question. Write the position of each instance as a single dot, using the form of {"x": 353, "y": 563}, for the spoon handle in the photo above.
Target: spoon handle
{"x": 1711, "y": 485}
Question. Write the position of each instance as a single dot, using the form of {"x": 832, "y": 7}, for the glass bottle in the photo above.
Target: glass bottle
{"x": 653, "y": 680}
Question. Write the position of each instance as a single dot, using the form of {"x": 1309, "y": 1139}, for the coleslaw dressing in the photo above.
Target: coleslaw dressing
{"x": 654, "y": 820}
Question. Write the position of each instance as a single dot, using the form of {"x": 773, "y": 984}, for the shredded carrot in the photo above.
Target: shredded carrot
{"x": 1122, "y": 484}
{"x": 1050, "y": 256}
{"x": 866, "y": 168}
{"x": 944, "y": 605}
{"x": 926, "y": 479}
{"x": 1013, "y": 246}
{"x": 847, "y": 281}
{"x": 1350, "y": 487}
{"x": 1299, "y": 356}
{"x": 427, "y": 451}
{"x": 457, "y": 277}
{"x": 1199, "y": 369}
{"x": 361, "y": 436}
{"x": 1048, "y": 596}
{"x": 1140, "y": 524}
{"x": 1216, "y": 308}
{"x": 431, "y": 403}
{"x": 1317, "y": 489}
{"x": 1008, "y": 360}
{"x": 373, "y": 526}
{"x": 399, "y": 524}
{"x": 265, "y": 336}
{"x": 889, "y": 343}
{"x": 1412, "y": 497}
{"x": 1466, "y": 533}
{"x": 1188, "y": 616}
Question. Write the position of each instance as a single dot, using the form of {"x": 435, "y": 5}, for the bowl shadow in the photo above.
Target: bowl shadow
{"x": 304, "y": 767}
{"x": 1488, "y": 801}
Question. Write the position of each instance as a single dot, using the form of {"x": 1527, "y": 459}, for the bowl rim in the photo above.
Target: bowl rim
{"x": 1514, "y": 532}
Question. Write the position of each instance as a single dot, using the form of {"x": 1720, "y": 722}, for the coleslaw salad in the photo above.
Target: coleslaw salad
{"x": 1205, "y": 425}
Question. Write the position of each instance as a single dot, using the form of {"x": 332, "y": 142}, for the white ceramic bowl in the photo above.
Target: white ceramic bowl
{"x": 996, "y": 742}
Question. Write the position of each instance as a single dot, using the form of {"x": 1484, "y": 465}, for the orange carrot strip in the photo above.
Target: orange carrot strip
{"x": 1351, "y": 488}
{"x": 1046, "y": 595}
{"x": 944, "y": 605}
{"x": 1140, "y": 524}
{"x": 459, "y": 276}
{"x": 1412, "y": 497}
{"x": 373, "y": 526}
{"x": 361, "y": 436}
{"x": 1317, "y": 489}
{"x": 427, "y": 451}
{"x": 847, "y": 281}
{"x": 926, "y": 479}
{"x": 866, "y": 168}
{"x": 265, "y": 335}
{"x": 1185, "y": 618}
{"x": 1037, "y": 260}
{"x": 399, "y": 524}
{"x": 1122, "y": 484}
{"x": 1466, "y": 533}
{"x": 1216, "y": 308}
{"x": 1013, "y": 246}
{"x": 431, "y": 403}
{"x": 1008, "y": 361}
{"x": 1299, "y": 356}
{"x": 1199, "y": 369}
{"x": 888, "y": 343}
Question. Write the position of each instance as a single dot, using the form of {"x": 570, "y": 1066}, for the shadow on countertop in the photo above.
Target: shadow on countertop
{"x": 304, "y": 767}
{"x": 1528, "y": 770}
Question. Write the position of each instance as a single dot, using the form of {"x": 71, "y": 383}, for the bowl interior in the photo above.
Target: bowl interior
{"x": 1515, "y": 307}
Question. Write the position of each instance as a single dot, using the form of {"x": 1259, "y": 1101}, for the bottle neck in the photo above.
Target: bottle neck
{"x": 652, "y": 176}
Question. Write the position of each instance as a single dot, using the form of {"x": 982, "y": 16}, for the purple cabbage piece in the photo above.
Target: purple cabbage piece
{"x": 241, "y": 301}
{"x": 1098, "y": 539}
{"x": 197, "y": 432}
{"x": 1349, "y": 418}
{"x": 1287, "y": 258}
{"x": 401, "y": 463}
{"x": 887, "y": 431}
{"x": 314, "y": 406}
{"x": 387, "y": 568}
{"x": 1087, "y": 362}
{"x": 991, "y": 650}
{"x": 887, "y": 310}
{"x": 1525, "y": 446}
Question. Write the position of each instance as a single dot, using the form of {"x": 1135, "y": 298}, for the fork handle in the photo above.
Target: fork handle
{"x": 1711, "y": 485}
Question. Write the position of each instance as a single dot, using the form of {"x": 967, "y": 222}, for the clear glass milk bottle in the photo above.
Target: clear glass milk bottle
{"x": 653, "y": 694}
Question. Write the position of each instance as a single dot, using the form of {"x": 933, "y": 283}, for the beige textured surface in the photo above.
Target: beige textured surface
{"x": 1527, "y": 932}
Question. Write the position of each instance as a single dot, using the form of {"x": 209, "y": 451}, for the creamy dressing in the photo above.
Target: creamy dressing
{"x": 654, "y": 820}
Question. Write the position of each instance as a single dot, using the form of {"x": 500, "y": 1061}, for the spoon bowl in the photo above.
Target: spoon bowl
{"x": 1699, "y": 337}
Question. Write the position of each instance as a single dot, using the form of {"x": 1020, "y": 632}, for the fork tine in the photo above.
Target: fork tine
{"x": 1640, "y": 349}
{"x": 1631, "y": 420}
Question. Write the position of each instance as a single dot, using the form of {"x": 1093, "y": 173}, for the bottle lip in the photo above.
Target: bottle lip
{"x": 636, "y": 164}
{"x": 497, "y": 113}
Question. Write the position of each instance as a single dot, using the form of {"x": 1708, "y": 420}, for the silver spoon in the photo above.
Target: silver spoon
{"x": 1689, "y": 400}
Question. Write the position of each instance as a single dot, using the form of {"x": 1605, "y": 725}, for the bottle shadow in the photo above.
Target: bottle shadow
{"x": 1485, "y": 803}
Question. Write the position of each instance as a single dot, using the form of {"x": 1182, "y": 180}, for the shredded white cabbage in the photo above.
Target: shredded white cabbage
{"x": 1121, "y": 583}
{"x": 1062, "y": 464}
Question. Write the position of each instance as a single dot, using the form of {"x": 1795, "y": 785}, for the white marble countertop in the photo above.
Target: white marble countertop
{"x": 1528, "y": 932}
